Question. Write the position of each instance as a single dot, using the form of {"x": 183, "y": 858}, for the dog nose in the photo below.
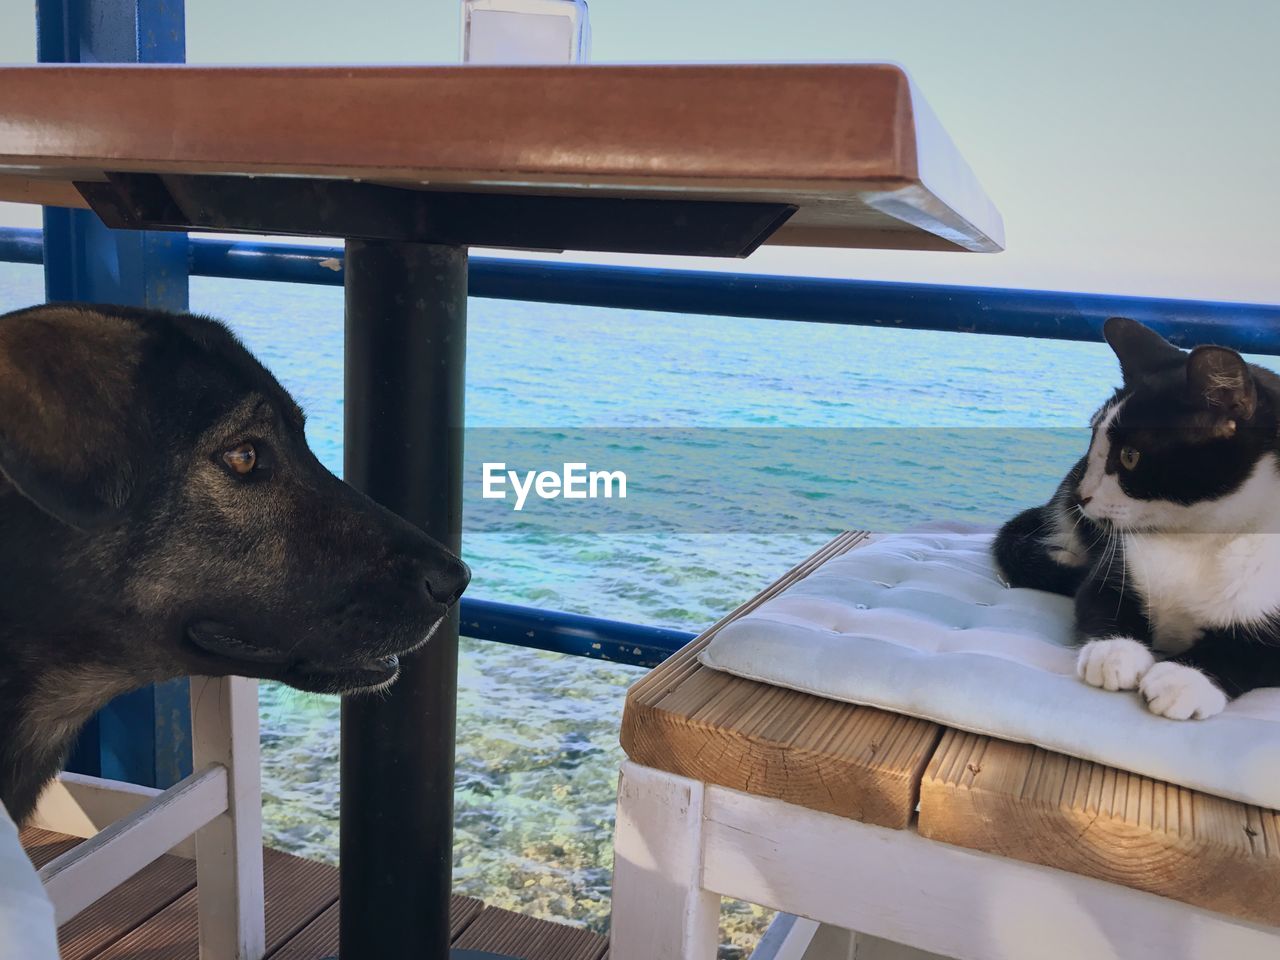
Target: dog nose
{"x": 446, "y": 583}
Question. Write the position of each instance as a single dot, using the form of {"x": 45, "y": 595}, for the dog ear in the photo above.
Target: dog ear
{"x": 68, "y": 438}
{"x": 1139, "y": 349}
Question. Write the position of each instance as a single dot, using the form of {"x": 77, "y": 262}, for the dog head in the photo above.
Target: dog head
{"x": 163, "y": 514}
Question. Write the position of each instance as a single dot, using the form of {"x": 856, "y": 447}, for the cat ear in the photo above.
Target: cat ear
{"x": 68, "y": 440}
{"x": 1220, "y": 379}
{"x": 1139, "y": 349}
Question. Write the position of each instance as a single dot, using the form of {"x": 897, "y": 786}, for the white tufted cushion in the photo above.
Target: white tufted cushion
{"x": 921, "y": 624}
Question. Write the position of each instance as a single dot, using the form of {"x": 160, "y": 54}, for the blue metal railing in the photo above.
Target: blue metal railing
{"x": 571, "y": 633}
{"x": 21, "y": 246}
{"x": 1251, "y": 328}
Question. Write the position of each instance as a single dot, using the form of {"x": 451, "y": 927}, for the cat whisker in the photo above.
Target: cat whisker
{"x": 1124, "y": 568}
{"x": 1111, "y": 553}
{"x": 1079, "y": 519}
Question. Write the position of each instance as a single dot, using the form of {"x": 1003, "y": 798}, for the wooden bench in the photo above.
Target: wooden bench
{"x": 913, "y": 834}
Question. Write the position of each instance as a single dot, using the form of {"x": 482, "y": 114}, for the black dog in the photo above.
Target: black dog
{"x": 162, "y": 515}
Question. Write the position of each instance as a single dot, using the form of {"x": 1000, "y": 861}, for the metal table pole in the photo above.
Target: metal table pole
{"x": 406, "y": 309}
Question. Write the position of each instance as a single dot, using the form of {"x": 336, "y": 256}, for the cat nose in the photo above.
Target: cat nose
{"x": 1084, "y": 501}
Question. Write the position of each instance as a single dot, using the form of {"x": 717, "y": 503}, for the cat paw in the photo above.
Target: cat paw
{"x": 1179, "y": 692}
{"x": 1116, "y": 663}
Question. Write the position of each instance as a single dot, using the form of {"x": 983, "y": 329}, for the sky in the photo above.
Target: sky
{"x": 1132, "y": 147}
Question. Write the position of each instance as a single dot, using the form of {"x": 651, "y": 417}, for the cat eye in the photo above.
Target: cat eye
{"x": 241, "y": 458}
{"x": 1129, "y": 457}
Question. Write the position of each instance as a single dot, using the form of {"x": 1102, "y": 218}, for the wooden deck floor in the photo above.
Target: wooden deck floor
{"x": 153, "y": 915}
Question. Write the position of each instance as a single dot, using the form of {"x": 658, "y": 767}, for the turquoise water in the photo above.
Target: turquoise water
{"x": 863, "y": 427}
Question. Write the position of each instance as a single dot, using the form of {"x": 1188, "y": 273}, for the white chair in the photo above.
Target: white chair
{"x": 214, "y": 815}
{"x": 927, "y": 840}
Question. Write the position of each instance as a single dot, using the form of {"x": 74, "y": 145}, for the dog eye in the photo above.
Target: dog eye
{"x": 1129, "y": 457}
{"x": 241, "y": 458}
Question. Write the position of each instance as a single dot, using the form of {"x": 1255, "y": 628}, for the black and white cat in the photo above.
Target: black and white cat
{"x": 1167, "y": 532}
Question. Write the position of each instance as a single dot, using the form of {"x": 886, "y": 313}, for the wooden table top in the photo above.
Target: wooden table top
{"x": 1012, "y": 799}
{"x": 854, "y": 146}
